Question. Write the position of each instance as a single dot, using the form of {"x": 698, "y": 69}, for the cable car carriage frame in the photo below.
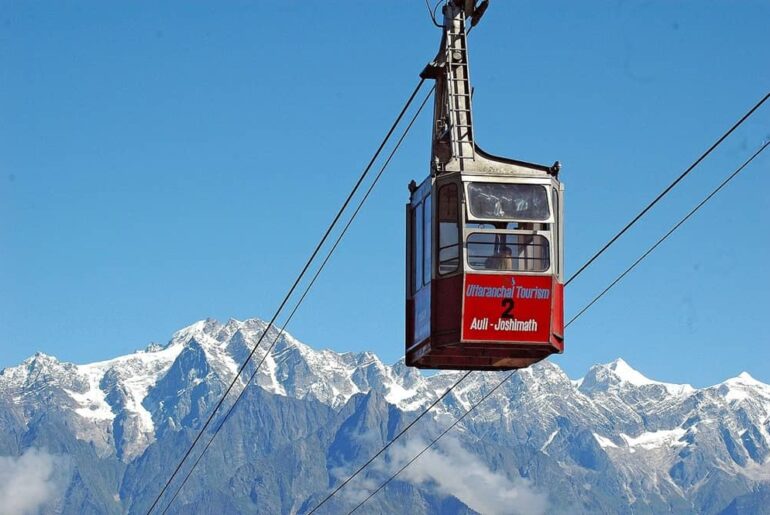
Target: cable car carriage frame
{"x": 484, "y": 237}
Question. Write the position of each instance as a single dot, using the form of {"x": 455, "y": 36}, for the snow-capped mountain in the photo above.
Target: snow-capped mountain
{"x": 613, "y": 441}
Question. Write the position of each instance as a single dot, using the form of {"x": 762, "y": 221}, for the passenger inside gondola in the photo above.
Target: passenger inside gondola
{"x": 502, "y": 260}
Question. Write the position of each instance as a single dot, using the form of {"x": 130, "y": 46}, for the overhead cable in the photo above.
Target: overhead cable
{"x": 668, "y": 189}
{"x": 669, "y": 233}
{"x": 439, "y": 437}
{"x": 598, "y": 253}
{"x": 582, "y": 311}
{"x": 432, "y": 14}
{"x": 302, "y": 298}
{"x": 288, "y": 295}
{"x": 391, "y": 442}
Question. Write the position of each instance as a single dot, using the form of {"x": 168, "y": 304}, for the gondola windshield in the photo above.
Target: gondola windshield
{"x": 515, "y": 202}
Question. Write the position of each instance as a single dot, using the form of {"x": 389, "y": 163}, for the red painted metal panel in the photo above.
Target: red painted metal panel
{"x": 447, "y": 308}
{"x": 422, "y": 314}
{"x": 557, "y": 324}
{"x": 409, "y": 326}
{"x": 507, "y": 308}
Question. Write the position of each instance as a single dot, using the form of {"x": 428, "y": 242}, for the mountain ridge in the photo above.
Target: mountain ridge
{"x": 613, "y": 436}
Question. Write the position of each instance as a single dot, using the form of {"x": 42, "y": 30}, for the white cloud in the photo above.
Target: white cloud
{"x": 358, "y": 490}
{"x": 452, "y": 470}
{"x": 30, "y": 482}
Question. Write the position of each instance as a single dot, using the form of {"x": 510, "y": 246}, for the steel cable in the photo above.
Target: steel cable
{"x": 670, "y": 232}
{"x": 302, "y": 298}
{"x": 290, "y": 292}
{"x": 320, "y": 244}
{"x": 596, "y": 255}
{"x": 668, "y": 189}
{"x": 439, "y": 437}
{"x": 608, "y": 244}
{"x": 580, "y": 313}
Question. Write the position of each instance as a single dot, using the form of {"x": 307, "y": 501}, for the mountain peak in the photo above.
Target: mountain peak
{"x": 201, "y": 326}
{"x": 746, "y": 377}
{"x": 42, "y": 356}
{"x": 153, "y": 347}
{"x": 625, "y": 433}
{"x": 743, "y": 387}
{"x": 39, "y": 361}
{"x": 619, "y": 373}
{"x": 627, "y": 374}
{"x": 743, "y": 379}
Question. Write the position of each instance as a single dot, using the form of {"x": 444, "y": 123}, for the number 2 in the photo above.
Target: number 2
{"x": 508, "y": 305}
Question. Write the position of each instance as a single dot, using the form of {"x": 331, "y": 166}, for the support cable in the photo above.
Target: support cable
{"x": 387, "y": 445}
{"x": 424, "y": 412}
{"x": 580, "y": 313}
{"x": 668, "y": 188}
{"x": 439, "y": 437}
{"x": 327, "y": 233}
{"x": 669, "y": 233}
{"x": 432, "y": 14}
{"x": 591, "y": 260}
{"x": 289, "y": 294}
{"x": 302, "y": 298}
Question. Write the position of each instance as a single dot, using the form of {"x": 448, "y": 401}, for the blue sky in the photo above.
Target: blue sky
{"x": 163, "y": 163}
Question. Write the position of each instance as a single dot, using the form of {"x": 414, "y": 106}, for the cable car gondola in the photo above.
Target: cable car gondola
{"x": 485, "y": 237}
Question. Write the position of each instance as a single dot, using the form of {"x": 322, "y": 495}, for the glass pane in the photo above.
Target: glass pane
{"x": 556, "y": 235}
{"x": 426, "y": 267}
{"x": 418, "y": 247}
{"x": 509, "y": 252}
{"x": 449, "y": 250}
{"x": 447, "y": 203}
{"x": 494, "y": 201}
{"x": 448, "y": 230}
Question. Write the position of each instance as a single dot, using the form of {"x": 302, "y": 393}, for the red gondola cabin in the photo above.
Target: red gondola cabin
{"x": 484, "y": 287}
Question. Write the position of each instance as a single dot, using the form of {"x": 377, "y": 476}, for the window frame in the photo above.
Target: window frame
{"x": 457, "y": 230}
{"x": 497, "y": 180}
{"x": 417, "y": 243}
{"x": 546, "y": 235}
{"x": 427, "y": 237}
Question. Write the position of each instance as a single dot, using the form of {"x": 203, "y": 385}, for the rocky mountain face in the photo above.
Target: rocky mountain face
{"x": 104, "y": 437}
